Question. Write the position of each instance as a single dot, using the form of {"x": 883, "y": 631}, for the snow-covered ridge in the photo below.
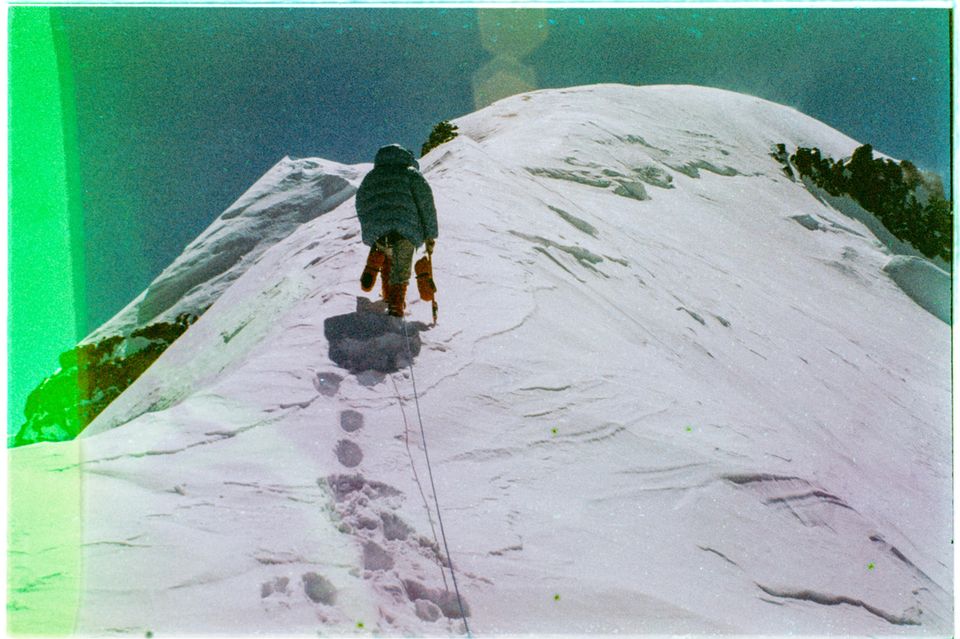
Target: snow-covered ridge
{"x": 645, "y": 135}
{"x": 292, "y": 192}
{"x": 656, "y": 132}
{"x": 670, "y": 391}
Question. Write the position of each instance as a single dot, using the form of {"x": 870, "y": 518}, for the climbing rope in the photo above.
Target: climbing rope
{"x": 416, "y": 477}
{"x": 433, "y": 487}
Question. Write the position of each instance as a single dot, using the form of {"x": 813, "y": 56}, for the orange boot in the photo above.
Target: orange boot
{"x": 397, "y": 300}
{"x": 375, "y": 262}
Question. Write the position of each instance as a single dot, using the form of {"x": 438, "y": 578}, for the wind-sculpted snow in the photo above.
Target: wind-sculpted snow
{"x": 291, "y": 193}
{"x": 835, "y": 600}
{"x": 926, "y": 284}
{"x": 707, "y": 411}
{"x": 925, "y": 281}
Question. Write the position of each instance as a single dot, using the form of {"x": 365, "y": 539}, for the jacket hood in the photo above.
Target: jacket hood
{"x": 395, "y": 154}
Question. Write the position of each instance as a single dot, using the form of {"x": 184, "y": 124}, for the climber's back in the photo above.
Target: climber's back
{"x": 395, "y": 197}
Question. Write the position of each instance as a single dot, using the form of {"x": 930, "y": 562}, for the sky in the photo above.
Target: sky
{"x": 179, "y": 110}
{"x": 175, "y": 112}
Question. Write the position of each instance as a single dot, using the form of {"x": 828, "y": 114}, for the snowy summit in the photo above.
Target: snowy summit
{"x": 672, "y": 389}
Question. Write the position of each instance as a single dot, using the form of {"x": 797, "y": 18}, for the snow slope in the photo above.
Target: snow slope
{"x": 289, "y": 194}
{"x": 658, "y": 400}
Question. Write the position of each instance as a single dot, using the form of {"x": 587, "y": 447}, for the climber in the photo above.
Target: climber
{"x": 397, "y": 215}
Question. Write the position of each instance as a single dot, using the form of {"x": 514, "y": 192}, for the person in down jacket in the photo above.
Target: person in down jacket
{"x": 397, "y": 215}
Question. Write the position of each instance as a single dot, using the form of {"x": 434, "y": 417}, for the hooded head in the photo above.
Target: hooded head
{"x": 394, "y": 154}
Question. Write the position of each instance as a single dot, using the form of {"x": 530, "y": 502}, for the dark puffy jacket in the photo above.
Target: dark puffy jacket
{"x": 395, "y": 196}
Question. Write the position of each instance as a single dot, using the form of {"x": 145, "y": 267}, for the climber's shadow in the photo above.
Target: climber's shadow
{"x": 369, "y": 340}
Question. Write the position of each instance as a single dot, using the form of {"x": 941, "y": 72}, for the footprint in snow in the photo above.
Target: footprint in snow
{"x": 348, "y": 453}
{"x": 278, "y": 585}
{"x": 327, "y": 383}
{"x": 446, "y": 601}
{"x": 319, "y": 589}
{"x": 351, "y": 420}
{"x": 375, "y": 557}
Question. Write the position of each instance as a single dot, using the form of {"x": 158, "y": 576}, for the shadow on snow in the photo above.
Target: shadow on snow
{"x": 368, "y": 340}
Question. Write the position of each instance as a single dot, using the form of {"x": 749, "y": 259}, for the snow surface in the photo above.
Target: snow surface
{"x": 289, "y": 194}
{"x": 922, "y": 281}
{"x": 656, "y": 401}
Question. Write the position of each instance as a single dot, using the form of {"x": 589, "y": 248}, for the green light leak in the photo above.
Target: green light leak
{"x": 45, "y": 234}
{"x": 45, "y": 298}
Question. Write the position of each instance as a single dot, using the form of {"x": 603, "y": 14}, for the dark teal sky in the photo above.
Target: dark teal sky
{"x": 179, "y": 110}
